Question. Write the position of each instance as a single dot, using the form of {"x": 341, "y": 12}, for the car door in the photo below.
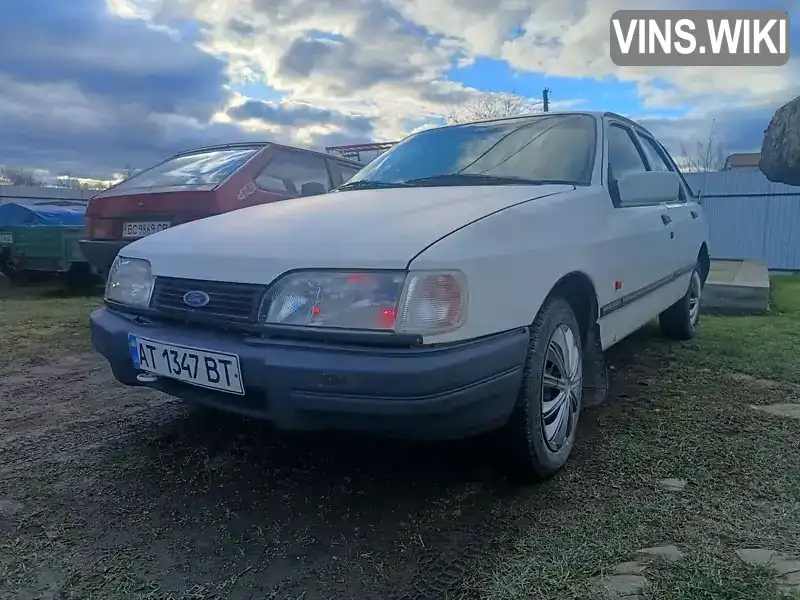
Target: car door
{"x": 642, "y": 235}
{"x": 684, "y": 212}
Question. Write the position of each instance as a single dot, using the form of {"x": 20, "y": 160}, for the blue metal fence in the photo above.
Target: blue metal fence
{"x": 750, "y": 217}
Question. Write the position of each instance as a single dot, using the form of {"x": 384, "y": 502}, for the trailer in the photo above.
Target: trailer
{"x": 43, "y": 237}
{"x": 355, "y": 151}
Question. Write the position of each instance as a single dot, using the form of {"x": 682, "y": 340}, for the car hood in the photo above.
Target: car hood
{"x": 364, "y": 229}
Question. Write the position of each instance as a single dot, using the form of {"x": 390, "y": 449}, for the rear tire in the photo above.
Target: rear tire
{"x": 540, "y": 434}
{"x": 680, "y": 321}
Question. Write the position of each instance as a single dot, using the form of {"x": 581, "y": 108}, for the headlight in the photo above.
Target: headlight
{"x": 130, "y": 282}
{"x": 425, "y": 302}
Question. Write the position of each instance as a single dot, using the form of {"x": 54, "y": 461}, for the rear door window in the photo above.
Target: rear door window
{"x": 623, "y": 155}
{"x": 653, "y": 154}
{"x": 658, "y": 160}
{"x": 196, "y": 169}
{"x": 295, "y": 173}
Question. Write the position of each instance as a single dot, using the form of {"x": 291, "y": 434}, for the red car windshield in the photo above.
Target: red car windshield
{"x": 208, "y": 167}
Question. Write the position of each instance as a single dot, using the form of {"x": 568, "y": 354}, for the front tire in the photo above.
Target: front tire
{"x": 679, "y": 321}
{"x": 541, "y": 431}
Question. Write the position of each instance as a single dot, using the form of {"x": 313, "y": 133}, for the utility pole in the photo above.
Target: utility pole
{"x": 546, "y": 99}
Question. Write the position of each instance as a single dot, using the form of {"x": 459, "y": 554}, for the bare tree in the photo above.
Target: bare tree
{"x": 489, "y": 105}
{"x": 69, "y": 182}
{"x": 19, "y": 176}
{"x": 128, "y": 172}
{"x": 707, "y": 156}
{"x": 73, "y": 183}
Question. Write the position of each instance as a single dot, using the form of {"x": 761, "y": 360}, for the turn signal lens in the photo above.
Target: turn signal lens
{"x": 433, "y": 303}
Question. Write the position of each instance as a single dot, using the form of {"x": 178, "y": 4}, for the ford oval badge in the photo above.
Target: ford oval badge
{"x": 196, "y": 298}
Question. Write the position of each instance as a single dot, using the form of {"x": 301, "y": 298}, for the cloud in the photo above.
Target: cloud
{"x": 735, "y": 130}
{"x": 296, "y": 114}
{"x": 87, "y": 92}
{"x": 61, "y": 128}
{"x": 571, "y": 38}
{"x": 341, "y": 65}
{"x": 359, "y": 53}
{"x": 109, "y": 58}
{"x": 92, "y": 85}
{"x": 350, "y": 56}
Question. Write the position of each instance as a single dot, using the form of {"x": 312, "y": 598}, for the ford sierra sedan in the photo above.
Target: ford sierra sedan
{"x": 466, "y": 281}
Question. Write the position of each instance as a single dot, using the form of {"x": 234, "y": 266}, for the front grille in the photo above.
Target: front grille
{"x": 238, "y": 302}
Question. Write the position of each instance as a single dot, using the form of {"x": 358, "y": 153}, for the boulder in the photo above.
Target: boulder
{"x": 780, "y": 151}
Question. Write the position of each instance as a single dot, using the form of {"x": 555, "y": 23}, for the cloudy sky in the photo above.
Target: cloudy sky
{"x": 90, "y": 86}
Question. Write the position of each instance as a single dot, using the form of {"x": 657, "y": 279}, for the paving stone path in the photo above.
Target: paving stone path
{"x": 673, "y": 485}
{"x": 785, "y": 566}
{"x": 628, "y": 580}
{"x": 790, "y": 410}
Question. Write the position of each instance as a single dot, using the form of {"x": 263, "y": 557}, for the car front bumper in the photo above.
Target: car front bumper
{"x": 446, "y": 392}
{"x": 101, "y": 253}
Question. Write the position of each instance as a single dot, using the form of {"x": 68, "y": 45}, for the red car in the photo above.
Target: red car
{"x": 204, "y": 182}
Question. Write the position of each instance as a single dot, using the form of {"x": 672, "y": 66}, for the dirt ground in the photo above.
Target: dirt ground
{"x": 110, "y": 492}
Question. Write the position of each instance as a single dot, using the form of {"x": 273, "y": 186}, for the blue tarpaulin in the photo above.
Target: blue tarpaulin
{"x": 42, "y": 214}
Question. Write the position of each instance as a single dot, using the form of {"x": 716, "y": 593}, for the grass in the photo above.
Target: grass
{"x": 712, "y": 576}
{"x": 35, "y": 323}
{"x": 756, "y": 345}
{"x": 684, "y": 413}
{"x": 677, "y": 411}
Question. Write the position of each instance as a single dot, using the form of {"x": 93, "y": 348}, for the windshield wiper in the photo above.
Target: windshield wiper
{"x": 476, "y": 179}
{"x": 366, "y": 184}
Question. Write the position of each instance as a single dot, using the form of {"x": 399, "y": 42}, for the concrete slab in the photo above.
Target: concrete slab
{"x": 724, "y": 270}
{"x": 736, "y": 287}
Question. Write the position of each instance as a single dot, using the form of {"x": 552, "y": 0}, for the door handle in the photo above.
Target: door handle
{"x": 694, "y": 214}
{"x": 666, "y": 219}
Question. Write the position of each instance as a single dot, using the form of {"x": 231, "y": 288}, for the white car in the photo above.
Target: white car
{"x": 465, "y": 281}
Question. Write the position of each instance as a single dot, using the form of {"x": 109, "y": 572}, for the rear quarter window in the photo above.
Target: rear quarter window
{"x": 196, "y": 169}
{"x": 347, "y": 171}
{"x": 291, "y": 171}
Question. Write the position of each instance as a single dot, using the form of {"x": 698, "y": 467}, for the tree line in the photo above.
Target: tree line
{"x": 28, "y": 177}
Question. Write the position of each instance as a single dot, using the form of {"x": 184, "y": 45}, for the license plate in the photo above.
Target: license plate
{"x": 141, "y": 229}
{"x": 6, "y": 238}
{"x": 203, "y": 368}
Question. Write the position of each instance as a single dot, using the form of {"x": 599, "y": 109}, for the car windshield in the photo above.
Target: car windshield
{"x": 537, "y": 149}
{"x": 199, "y": 168}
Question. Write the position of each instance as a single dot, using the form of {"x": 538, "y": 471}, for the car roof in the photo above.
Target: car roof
{"x": 597, "y": 114}
{"x": 233, "y": 145}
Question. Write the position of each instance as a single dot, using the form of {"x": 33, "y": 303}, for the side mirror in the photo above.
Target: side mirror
{"x": 312, "y": 188}
{"x": 649, "y": 187}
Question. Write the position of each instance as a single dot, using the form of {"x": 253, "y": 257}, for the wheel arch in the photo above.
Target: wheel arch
{"x": 704, "y": 261}
{"x": 578, "y": 290}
